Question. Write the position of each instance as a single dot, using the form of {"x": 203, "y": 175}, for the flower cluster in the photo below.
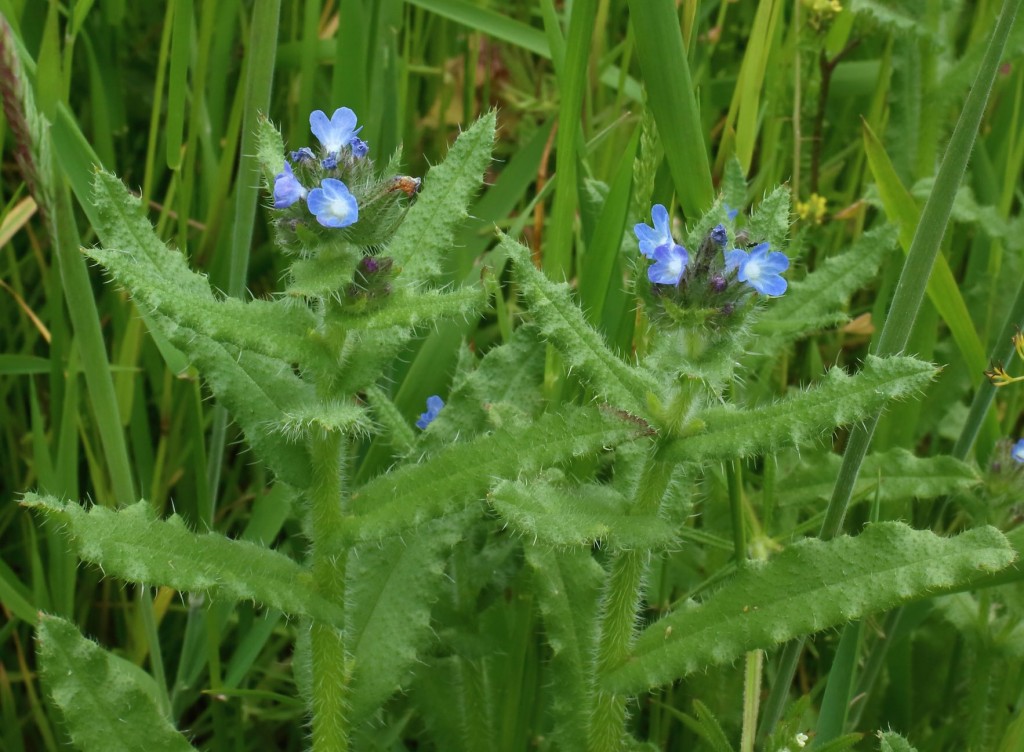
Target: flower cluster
{"x": 713, "y": 278}
{"x": 332, "y": 203}
{"x": 338, "y": 187}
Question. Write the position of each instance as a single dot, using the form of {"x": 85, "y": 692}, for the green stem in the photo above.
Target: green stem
{"x": 619, "y": 613}
{"x": 734, "y": 476}
{"x": 331, "y": 667}
{"x": 751, "y": 698}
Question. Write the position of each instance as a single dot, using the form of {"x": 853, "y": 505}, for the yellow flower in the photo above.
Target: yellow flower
{"x": 813, "y": 209}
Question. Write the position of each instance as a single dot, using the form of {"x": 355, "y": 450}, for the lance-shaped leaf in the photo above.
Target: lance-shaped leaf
{"x": 568, "y": 584}
{"x": 838, "y": 400}
{"x": 428, "y": 231}
{"x": 259, "y": 392}
{"x": 812, "y": 585}
{"x": 815, "y": 302}
{"x": 131, "y": 544}
{"x": 554, "y": 515}
{"x": 160, "y": 281}
{"x": 391, "y": 589}
{"x": 109, "y": 704}
{"x": 462, "y": 473}
{"x": 893, "y": 475}
{"x": 407, "y": 309}
{"x": 562, "y": 322}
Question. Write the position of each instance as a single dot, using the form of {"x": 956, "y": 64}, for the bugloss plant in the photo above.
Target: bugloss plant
{"x": 399, "y": 581}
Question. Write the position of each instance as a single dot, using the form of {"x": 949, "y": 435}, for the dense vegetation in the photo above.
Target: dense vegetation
{"x": 591, "y": 375}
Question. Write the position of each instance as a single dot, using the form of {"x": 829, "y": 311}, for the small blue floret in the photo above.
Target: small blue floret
{"x": 305, "y": 154}
{"x": 287, "y": 188}
{"x": 1018, "y": 451}
{"x": 670, "y": 263}
{"x": 759, "y": 268}
{"x": 336, "y": 133}
{"x": 359, "y": 147}
{"x": 653, "y": 237}
{"x": 333, "y": 204}
{"x": 434, "y": 405}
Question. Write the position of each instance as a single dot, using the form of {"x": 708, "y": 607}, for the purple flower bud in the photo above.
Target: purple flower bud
{"x": 305, "y": 154}
{"x": 359, "y": 147}
{"x": 718, "y": 283}
{"x": 329, "y": 162}
{"x": 719, "y": 235}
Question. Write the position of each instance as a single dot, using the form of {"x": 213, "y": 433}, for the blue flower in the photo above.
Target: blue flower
{"x": 336, "y": 133}
{"x": 719, "y": 235}
{"x": 359, "y": 147}
{"x": 333, "y": 204}
{"x": 730, "y": 212}
{"x": 759, "y": 268}
{"x": 652, "y": 237}
{"x": 305, "y": 154}
{"x": 670, "y": 263}
{"x": 1017, "y": 452}
{"x": 287, "y": 188}
{"x": 434, "y": 405}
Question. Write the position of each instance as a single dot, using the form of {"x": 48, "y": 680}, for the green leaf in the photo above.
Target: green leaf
{"x": 672, "y": 99}
{"x": 160, "y": 281}
{"x": 567, "y": 588}
{"x": 585, "y": 350}
{"x": 131, "y": 544}
{"x": 406, "y": 309}
{"x": 428, "y": 231}
{"x": 391, "y": 588}
{"x": 258, "y": 391}
{"x": 556, "y": 515}
{"x": 812, "y": 585}
{"x": 108, "y": 703}
{"x": 770, "y": 222}
{"x": 838, "y": 400}
{"x": 894, "y": 475}
{"x": 890, "y": 741}
{"x": 815, "y": 302}
{"x": 462, "y": 473}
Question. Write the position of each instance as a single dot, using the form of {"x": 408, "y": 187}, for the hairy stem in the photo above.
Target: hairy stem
{"x": 331, "y": 668}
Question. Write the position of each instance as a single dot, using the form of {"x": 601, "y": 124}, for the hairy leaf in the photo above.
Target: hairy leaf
{"x": 462, "y": 473}
{"x": 567, "y": 588}
{"x": 814, "y": 302}
{"x": 259, "y": 392}
{"x": 563, "y": 323}
{"x": 838, "y": 400}
{"x": 131, "y": 544}
{"x": 893, "y": 475}
{"x": 428, "y": 231}
{"x": 812, "y": 585}
{"x": 109, "y": 704}
{"x": 406, "y": 309}
{"x": 555, "y": 515}
{"x": 391, "y": 589}
{"x": 159, "y": 280}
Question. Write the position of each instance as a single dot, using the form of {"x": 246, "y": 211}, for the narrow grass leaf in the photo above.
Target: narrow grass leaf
{"x": 671, "y": 98}
{"x": 812, "y": 585}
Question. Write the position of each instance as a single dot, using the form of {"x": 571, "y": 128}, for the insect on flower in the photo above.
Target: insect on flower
{"x": 410, "y": 186}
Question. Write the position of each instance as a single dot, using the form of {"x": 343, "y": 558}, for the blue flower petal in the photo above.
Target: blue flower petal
{"x": 1018, "y": 451}
{"x": 434, "y": 405}
{"x": 287, "y": 188}
{"x": 735, "y": 259}
{"x": 333, "y": 204}
{"x": 652, "y": 237}
{"x": 670, "y": 263}
{"x": 335, "y": 133}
